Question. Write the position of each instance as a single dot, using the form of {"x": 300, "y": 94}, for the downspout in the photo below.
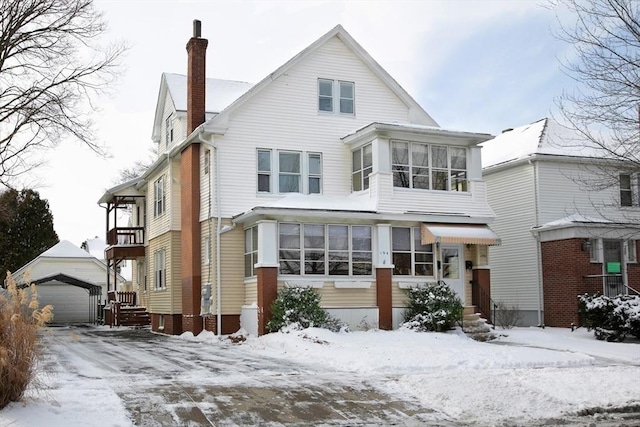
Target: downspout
{"x": 538, "y": 243}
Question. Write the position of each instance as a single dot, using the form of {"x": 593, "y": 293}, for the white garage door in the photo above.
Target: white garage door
{"x": 70, "y": 303}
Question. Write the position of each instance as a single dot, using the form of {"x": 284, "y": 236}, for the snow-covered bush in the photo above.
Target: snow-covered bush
{"x": 611, "y": 318}
{"x": 299, "y": 308}
{"x": 20, "y": 319}
{"x": 433, "y": 307}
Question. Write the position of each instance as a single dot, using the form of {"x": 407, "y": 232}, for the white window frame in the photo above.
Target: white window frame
{"x": 624, "y": 190}
{"x": 414, "y": 234}
{"x": 337, "y": 94}
{"x": 159, "y": 206}
{"x": 250, "y": 251}
{"x": 168, "y": 130}
{"x": 452, "y": 185}
{"x": 594, "y": 251}
{"x": 630, "y": 251}
{"x": 160, "y": 269}
{"x": 274, "y": 172}
{"x": 360, "y": 176}
{"x": 207, "y": 161}
{"x": 302, "y": 249}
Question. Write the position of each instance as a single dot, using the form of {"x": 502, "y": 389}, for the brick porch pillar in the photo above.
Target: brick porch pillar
{"x": 384, "y": 299}
{"x": 267, "y": 292}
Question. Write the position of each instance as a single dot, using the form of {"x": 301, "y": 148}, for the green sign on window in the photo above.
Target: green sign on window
{"x": 613, "y": 267}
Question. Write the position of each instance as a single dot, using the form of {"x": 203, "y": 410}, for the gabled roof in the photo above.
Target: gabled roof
{"x": 220, "y": 94}
{"x": 64, "y": 250}
{"x": 544, "y": 137}
{"x": 417, "y": 113}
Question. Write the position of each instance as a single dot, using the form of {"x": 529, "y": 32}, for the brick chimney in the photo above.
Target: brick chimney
{"x": 190, "y": 185}
{"x": 196, "y": 78}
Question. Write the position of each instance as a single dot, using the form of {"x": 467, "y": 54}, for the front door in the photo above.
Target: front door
{"x": 451, "y": 271}
{"x": 613, "y": 267}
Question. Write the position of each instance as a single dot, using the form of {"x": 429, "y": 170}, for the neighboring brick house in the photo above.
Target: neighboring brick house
{"x": 562, "y": 234}
{"x": 325, "y": 174}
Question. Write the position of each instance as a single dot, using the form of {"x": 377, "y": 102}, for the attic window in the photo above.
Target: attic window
{"x": 168, "y": 130}
{"x": 344, "y": 92}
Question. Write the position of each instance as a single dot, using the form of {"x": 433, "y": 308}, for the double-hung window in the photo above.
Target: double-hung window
{"x": 158, "y": 194}
{"x": 159, "y": 270}
{"x": 285, "y": 171}
{"x": 626, "y": 190}
{"x": 362, "y": 166}
{"x": 342, "y": 91}
{"x": 319, "y": 249}
{"x": 428, "y": 167}
{"x": 250, "y": 250}
{"x": 410, "y": 256}
{"x": 207, "y": 161}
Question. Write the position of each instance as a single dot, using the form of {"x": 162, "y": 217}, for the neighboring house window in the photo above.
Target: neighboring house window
{"x": 630, "y": 251}
{"x": 158, "y": 192}
{"x": 207, "y": 250}
{"x": 207, "y": 161}
{"x": 289, "y": 172}
{"x": 594, "y": 250}
{"x": 318, "y": 249}
{"x": 410, "y": 256}
{"x": 626, "y": 192}
{"x": 159, "y": 270}
{"x": 314, "y": 165}
{"x": 362, "y": 166}
{"x": 169, "y": 130}
{"x": 250, "y": 251}
{"x": 264, "y": 171}
{"x": 429, "y": 167}
{"x": 344, "y": 92}
{"x": 288, "y": 168}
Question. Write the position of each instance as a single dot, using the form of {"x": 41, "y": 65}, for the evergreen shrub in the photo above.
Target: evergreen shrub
{"x": 299, "y": 308}
{"x": 434, "y": 307}
{"x": 611, "y": 318}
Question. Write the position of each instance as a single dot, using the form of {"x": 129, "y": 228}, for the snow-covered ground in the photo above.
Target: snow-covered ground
{"x": 526, "y": 376}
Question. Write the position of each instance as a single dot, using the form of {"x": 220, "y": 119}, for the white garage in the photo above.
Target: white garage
{"x": 70, "y": 279}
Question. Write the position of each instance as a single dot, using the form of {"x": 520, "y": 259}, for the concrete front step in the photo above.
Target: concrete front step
{"x": 476, "y": 327}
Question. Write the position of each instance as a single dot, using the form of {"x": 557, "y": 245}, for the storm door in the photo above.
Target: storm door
{"x": 451, "y": 271}
{"x": 613, "y": 267}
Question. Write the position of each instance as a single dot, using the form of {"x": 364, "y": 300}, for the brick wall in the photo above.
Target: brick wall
{"x": 172, "y": 323}
{"x": 564, "y": 265}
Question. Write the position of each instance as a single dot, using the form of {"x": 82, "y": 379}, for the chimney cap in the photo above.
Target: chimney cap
{"x": 197, "y": 25}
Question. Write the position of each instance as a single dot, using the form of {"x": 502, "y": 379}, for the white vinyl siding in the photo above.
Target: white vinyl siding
{"x": 288, "y": 108}
{"x": 514, "y": 268}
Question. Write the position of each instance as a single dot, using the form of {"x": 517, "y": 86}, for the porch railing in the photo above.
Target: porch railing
{"x": 481, "y": 299}
{"x": 126, "y": 236}
{"x": 612, "y": 284}
{"x": 122, "y": 297}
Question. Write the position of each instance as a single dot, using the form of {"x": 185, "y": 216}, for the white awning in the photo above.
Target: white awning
{"x": 466, "y": 234}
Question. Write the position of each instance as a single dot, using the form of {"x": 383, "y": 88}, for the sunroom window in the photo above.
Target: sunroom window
{"x": 410, "y": 256}
{"x": 362, "y": 166}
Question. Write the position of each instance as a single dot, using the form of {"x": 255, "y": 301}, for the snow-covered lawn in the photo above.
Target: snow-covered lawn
{"x": 526, "y": 375}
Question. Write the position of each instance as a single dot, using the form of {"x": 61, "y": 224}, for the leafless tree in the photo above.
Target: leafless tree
{"x": 603, "y": 108}
{"x": 52, "y": 69}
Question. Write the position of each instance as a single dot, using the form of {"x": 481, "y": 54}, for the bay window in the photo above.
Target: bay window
{"x": 428, "y": 166}
{"x": 361, "y": 166}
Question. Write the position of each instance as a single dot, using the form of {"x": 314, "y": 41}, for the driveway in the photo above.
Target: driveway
{"x": 166, "y": 381}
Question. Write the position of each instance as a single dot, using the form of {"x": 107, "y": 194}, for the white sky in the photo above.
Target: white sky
{"x": 543, "y": 374}
{"x": 479, "y": 66}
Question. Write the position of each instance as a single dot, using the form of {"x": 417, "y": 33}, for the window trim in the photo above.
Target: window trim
{"x": 160, "y": 274}
{"x": 274, "y": 172}
{"x": 337, "y": 95}
{"x": 364, "y": 182}
{"x": 251, "y": 254}
{"x": 412, "y": 237}
{"x": 626, "y": 193}
{"x": 207, "y": 161}
{"x": 431, "y": 168}
{"x": 302, "y": 250}
{"x": 159, "y": 199}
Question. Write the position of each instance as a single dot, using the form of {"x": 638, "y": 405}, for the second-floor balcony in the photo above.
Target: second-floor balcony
{"x": 125, "y": 243}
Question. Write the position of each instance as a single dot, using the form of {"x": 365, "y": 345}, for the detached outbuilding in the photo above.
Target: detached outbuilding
{"x": 70, "y": 279}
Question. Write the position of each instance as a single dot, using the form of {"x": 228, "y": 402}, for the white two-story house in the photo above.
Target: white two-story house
{"x": 325, "y": 174}
{"x": 568, "y": 220}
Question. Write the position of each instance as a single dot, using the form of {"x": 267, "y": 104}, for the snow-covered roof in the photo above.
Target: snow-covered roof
{"x": 220, "y": 93}
{"x": 96, "y": 247}
{"x": 545, "y": 136}
{"x": 414, "y": 129}
{"x": 65, "y": 249}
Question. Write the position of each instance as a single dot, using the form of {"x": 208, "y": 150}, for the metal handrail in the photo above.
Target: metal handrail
{"x": 482, "y": 299}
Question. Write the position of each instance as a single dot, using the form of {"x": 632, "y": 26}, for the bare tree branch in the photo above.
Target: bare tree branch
{"x": 52, "y": 67}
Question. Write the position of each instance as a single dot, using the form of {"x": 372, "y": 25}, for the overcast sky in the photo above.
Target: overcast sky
{"x": 478, "y": 66}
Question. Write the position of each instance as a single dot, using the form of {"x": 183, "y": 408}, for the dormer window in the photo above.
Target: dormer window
{"x": 344, "y": 92}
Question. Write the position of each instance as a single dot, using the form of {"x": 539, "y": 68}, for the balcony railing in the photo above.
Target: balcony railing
{"x": 132, "y": 236}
